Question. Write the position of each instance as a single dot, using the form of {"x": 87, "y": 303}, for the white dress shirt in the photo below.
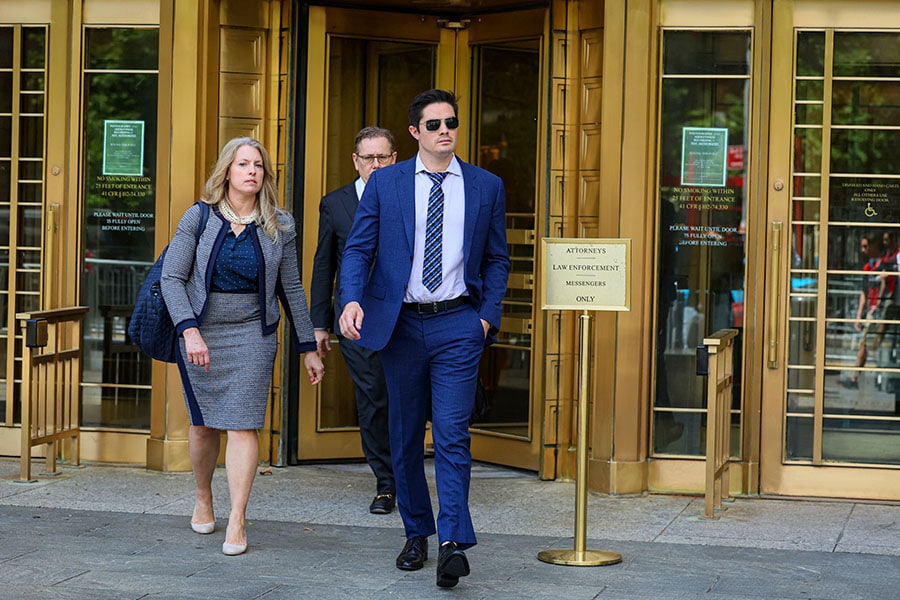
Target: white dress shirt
{"x": 453, "y": 282}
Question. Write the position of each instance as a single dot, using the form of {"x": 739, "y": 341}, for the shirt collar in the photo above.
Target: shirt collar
{"x": 452, "y": 168}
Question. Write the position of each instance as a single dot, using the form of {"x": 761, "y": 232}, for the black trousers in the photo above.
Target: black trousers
{"x": 372, "y": 410}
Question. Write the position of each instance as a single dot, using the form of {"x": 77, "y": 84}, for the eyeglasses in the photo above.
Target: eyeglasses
{"x": 381, "y": 158}
{"x": 435, "y": 124}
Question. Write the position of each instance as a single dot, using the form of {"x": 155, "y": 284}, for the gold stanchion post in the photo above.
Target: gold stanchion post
{"x": 579, "y": 556}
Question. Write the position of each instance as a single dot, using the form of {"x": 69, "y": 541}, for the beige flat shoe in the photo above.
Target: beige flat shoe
{"x": 233, "y": 549}
{"x": 203, "y": 528}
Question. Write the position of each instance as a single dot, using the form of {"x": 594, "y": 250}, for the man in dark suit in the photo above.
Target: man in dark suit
{"x": 373, "y": 149}
{"x": 424, "y": 275}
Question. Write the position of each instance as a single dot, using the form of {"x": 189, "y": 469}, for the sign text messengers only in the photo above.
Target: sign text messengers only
{"x": 587, "y": 274}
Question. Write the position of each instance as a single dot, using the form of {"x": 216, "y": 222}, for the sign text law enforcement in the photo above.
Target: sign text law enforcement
{"x": 587, "y": 274}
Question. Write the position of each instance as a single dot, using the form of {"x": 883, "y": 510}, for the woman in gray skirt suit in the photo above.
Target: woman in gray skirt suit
{"x": 222, "y": 290}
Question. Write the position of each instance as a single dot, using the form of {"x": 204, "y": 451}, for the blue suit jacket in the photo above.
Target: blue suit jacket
{"x": 378, "y": 255}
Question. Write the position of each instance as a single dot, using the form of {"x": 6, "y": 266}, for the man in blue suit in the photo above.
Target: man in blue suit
{"x": 423, "y": 277}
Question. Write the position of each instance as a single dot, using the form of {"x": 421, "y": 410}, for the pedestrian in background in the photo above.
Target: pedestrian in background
{"x": 372, "y": 149}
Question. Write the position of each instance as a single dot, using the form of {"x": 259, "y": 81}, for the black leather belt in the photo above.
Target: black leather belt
{"x": 429, "y": 308}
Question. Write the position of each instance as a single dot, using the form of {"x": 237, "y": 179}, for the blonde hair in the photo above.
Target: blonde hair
{"x": 267, "y": 199}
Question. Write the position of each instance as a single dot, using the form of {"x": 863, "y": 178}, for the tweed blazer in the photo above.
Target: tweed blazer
{"x": 188, "y": 268}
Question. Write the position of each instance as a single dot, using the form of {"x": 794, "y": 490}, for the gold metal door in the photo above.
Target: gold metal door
{"x": 363, "y": 68}
{"x": 55, "y": 94}
{"x": 831, "y": 386}
{"x": 25, "y": 108}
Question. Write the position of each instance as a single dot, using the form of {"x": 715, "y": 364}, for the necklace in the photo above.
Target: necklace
{"x": 229, "y": 214}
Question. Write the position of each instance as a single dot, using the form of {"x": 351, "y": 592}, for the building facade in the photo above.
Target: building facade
{"x": 743, "y": 147}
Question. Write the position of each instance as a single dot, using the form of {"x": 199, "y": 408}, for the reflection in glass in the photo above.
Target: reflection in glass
{"x": 20, "y": 201}
{"x": 118, "y": 48}
{"x": 362, "y": 95}
{"x": 799, "y": 438}
{"x": 861, "y": 441}
{"x": 5, "y": 136}
{"x": 864, "y": 151}
{"x": 865, "y": 103}
{"x": 808, "y": 114}
{"x": 701, "y": 229}
{"x": 27, "y": 302}
{"x": 506, "y": 84}
{"x": 801, "y": 379}
{"x": 867, "y": 54}
{"x": 808, "y": 150}
{"x": 119, "y": 224}
{"x": 706, "y": 53}
{"x": 6, "y": 47}
{"x": 30, "y": 221}
{"x": 805, "y": 252}
{"x": 807, "y": 210}
{"x": 32, "y": 81}
{"x": 811, "y": 54}
{"x": 6, "y": 95}
{"x": 855, "y": 370}
{"x": 31, "y": 169}
{"x": 810, "y": 90}
{"x": 31, "y": 103}
{"x": 33, "y": 48}
{"x": 371, "y": 82}
{"x": 803, "y": 303}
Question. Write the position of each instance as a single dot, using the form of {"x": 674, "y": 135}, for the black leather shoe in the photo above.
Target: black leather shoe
{"x": 452, "y": 564}
{"x": 383, "y": 504}
{"x": 414, "y": 554}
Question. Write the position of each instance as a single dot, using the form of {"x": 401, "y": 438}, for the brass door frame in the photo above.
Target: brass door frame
{"x": 688, "y": 474}
{"x": 62, "y": 246}
{"x": 315, "y": 443}
{"x": 452, "y": 71}
{"x": 776, "y": 476}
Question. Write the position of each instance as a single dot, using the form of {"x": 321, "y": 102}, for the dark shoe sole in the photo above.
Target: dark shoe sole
{"x": 448, "y": 574}
{"x": 378, "y": 510}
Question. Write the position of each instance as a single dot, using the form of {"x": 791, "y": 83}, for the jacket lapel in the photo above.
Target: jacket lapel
{"x": 473, "y": 204}
{"x": 349, "y": 201}
{"x": 406, "y": 199}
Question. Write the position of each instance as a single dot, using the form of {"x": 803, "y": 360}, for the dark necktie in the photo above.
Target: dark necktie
{"x": 432, "y": 266}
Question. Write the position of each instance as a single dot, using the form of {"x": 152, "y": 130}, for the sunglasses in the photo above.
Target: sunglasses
{"x": 435, "y": 124}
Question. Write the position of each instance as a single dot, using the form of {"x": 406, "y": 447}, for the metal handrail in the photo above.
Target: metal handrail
{"x": 719, "y": 352}
{"x": 51, "y": 384}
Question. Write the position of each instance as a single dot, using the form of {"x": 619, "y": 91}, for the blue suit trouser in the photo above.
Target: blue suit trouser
{"x": 432, "y": 361}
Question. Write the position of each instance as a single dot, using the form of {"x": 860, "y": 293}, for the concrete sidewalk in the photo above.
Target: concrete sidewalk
{"x": 123, "y": 532}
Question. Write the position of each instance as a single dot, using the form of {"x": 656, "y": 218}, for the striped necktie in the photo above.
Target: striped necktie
{"x": 432, "y": 266}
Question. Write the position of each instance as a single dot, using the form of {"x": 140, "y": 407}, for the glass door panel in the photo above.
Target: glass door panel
{"x": 367, "y": 80}
{"x": 844, "y": 336}
{"x": 370, "y": 69}
{"x": 506, "y": 85}
{"x": 831, "y": 398}
{"x": 120, "y": 88}
{"x": 703, "y": 206}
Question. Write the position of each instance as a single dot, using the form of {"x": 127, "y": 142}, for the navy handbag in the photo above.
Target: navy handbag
{"x": 151, "y": 328}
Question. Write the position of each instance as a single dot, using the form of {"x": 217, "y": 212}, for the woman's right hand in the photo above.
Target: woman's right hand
{"x": 195, "y": 347}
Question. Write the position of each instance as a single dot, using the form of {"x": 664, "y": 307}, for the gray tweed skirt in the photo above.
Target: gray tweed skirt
{"x": 234, "y": 393}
